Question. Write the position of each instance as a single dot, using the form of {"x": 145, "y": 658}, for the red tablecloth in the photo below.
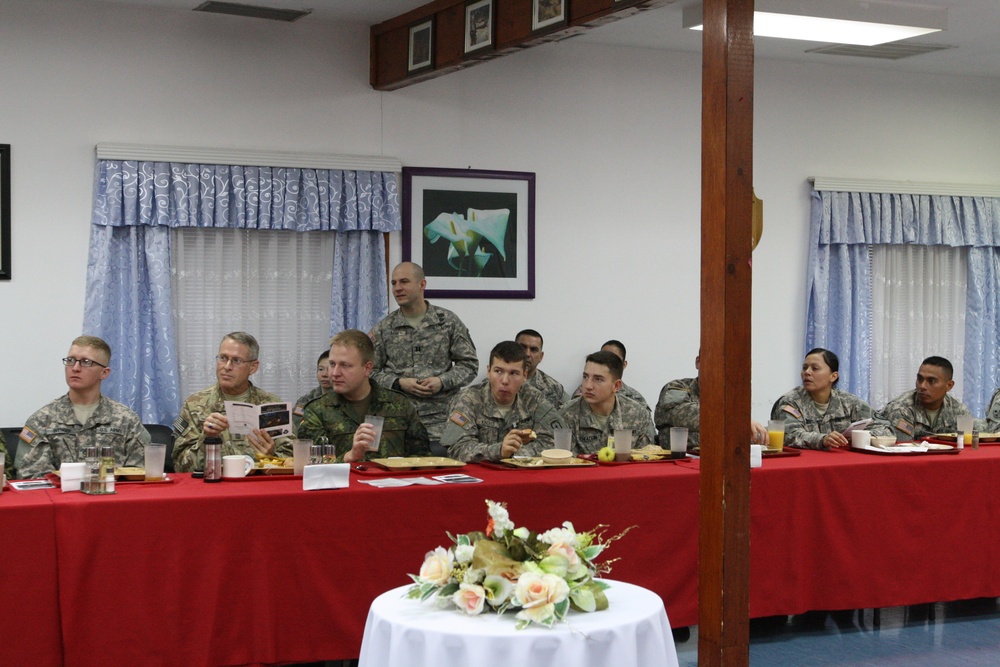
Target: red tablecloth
{"x": 29, "y": 585}
{"x": 263, "y": 572}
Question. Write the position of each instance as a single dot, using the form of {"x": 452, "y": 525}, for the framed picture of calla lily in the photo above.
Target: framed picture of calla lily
{"x": 472, "y": 231}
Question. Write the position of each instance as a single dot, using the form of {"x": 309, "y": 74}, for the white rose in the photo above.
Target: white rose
{"x": 463, "y": 552}
{"x": 535, "y": 590}
{"x": 469, "y": 598}
{"x": 437, "y": 566}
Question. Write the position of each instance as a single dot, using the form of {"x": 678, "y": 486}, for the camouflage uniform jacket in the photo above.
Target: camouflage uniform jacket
{"x": 588, "y": 436}
{"x": 330, "y": 417}
{"x": 300, "y": 406}
{"x": 805, "y": 426}
{"x": 188, "y": 451}
{"x": 679, "y": 405}
{"x": 992, "y": 422}
{"x": 626, "y": 391}
{"x": 8, "y": 465}
{"x": 550, "y": 388}
{"x": 476, "y": 429}
{"x": 440, "y": 347}
{"x": 53, "y": 435}
{"x": 908, "y": 418}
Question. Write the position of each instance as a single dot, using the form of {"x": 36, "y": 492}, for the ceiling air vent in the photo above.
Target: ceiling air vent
{"x": 890, "y": 51}
{"x": 252, "y": 11}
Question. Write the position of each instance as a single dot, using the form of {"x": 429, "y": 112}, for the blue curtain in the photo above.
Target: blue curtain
{"x": 128, "y": 300}
{"x": 844, "y": 225}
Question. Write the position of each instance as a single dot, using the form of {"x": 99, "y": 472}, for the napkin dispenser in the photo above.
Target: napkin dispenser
{"x": 71, "y": 476}
{"x": 756, "y": 456}
{"x": 326, "y": 476}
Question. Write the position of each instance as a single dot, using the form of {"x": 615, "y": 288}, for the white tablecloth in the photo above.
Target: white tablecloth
{"x": 632, "y": 632}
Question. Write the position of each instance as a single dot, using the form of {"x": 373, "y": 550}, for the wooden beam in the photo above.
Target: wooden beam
{"x": 726, "y": 182}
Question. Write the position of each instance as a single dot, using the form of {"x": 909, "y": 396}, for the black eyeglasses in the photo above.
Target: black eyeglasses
{"x": 69, "y": 362}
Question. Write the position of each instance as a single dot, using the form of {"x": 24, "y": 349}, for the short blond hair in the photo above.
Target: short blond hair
{"x": 359, "y": 340}
{"x": 94, "y": 342}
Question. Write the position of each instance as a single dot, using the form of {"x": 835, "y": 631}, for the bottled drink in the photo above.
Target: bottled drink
{"x": 213, "y": 459}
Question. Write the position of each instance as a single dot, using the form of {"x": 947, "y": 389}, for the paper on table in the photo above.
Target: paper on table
{"x": 856, "y": 426}
{"x": 326, "y": 476}
{"x": 275, "y": 418}
{"x": 395, "y": 482}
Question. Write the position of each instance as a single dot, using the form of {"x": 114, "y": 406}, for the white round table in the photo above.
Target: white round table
{"x": 632, "y": 632}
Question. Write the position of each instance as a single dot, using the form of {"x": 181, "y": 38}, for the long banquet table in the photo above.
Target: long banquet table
{"x": 261, "y": 572}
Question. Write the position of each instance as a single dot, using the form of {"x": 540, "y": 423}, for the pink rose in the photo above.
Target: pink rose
{"x": 437, "y": 566}
{"x": 536, "y": 590}
{"x": 469, "y": 598}
{"x": 567, "y": 550}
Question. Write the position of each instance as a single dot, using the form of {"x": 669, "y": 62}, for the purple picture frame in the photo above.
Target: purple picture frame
{"x": 5, "y": 270}
{"x": 472, "y": 231}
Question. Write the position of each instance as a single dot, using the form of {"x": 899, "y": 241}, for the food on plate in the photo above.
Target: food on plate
{"x": 275, "y": 462}
{"x": 130, "y": 473}
{"x": 650, "y": 453}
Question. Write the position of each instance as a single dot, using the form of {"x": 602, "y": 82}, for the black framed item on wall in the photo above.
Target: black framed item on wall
{"x": 421, "y": 47}
{"x": 472, "y": 231}
{"x": 478, "y": 26}
{"x": 547, "y": 14}
{"x": 4, "y": 211}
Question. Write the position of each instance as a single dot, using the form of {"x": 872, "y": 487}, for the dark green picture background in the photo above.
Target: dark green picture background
{"x": 436, "y": 202}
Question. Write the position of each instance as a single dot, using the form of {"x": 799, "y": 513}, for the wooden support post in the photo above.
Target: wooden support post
{"x": 726, "y": 182}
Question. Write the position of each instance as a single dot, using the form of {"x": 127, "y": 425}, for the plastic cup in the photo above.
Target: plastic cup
{"x": 377, "y": 423}
{"x": 678, "y": 442}
{"x": 564, "y": 438}
{"x": 154, "y": 455}
{"x": 623, "y": 444}
{"x": 300, "y": 450}
{"x": 776, "y": 434}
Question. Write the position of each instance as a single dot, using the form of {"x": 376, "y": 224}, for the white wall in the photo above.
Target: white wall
{"x": 613, "y": 135}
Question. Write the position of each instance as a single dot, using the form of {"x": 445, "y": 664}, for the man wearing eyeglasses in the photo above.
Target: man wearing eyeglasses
{"x": 204, "y": 413}
{"x": 63, "y": 429}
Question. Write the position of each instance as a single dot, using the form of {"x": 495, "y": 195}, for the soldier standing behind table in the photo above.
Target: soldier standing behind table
{"x": 62, "y": 430}
{"x": 422, "y": 350}
{"x": 204, "y": 413}
{"x": 532, "y": 343}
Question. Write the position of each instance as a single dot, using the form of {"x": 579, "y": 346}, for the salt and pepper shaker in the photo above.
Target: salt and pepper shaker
{"x": 93, "y": 480}
{"x": 108, "y": 468}
{"x": 213, "y": 459}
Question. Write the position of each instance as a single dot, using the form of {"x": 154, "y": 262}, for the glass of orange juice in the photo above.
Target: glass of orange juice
{"x": 776, "y": 434}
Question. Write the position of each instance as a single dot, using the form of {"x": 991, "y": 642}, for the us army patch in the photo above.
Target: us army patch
{"x": 905, "y": 426}
{"x": 298, "y": 411}
{"x": 459, "y": 418}
{"x": 28, "y": 436}
{"x": 790, "y": 409}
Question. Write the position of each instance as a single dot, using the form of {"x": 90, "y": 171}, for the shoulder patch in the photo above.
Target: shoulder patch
{"x": 371, "y": 334}
{"x": 298, "y": 411}
{"x": 459, "y": 418}
{"x": 28, "y": 436}
{"x": 790, "y": 409}
{"x": 905, "y": 426}
{"x": 180, "y": 425}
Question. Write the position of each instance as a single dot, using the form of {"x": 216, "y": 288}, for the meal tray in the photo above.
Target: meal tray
{"x": 418, "y": 463}
{"x": 536, "y": 462}
{"x": 885, "y": 452}
{"x": 950, "y": 438}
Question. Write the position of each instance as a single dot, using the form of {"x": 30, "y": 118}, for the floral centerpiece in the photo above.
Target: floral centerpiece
{"x": 542, "y": 575}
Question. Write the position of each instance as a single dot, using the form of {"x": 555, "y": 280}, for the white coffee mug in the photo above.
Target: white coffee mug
{"x": 237, "y": 465}
{"x": 861, "y": 439}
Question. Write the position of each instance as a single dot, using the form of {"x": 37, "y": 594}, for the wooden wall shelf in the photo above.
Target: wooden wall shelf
{"x": 389, "y": 44}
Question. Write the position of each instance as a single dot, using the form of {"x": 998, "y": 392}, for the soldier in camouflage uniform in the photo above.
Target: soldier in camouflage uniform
{"x": 338, "y": 416}
{"x": 203, "y": 413}
{"x": 8, "y": 466}
{"x": 992, "y": 421}
{"x": 422, "y": 350}
{"x": 322, "y": 366}
{"x": 601, "y": 409}
{"x": 815, "y": 414}
{"x": 532, "y": 343}
{"x": 928, "y": 408}
{"x": 679, "y": 405}
{"x": 496, "y": 419}
{"x": 618, "y": 349}
{"x": 62, "y": 430}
